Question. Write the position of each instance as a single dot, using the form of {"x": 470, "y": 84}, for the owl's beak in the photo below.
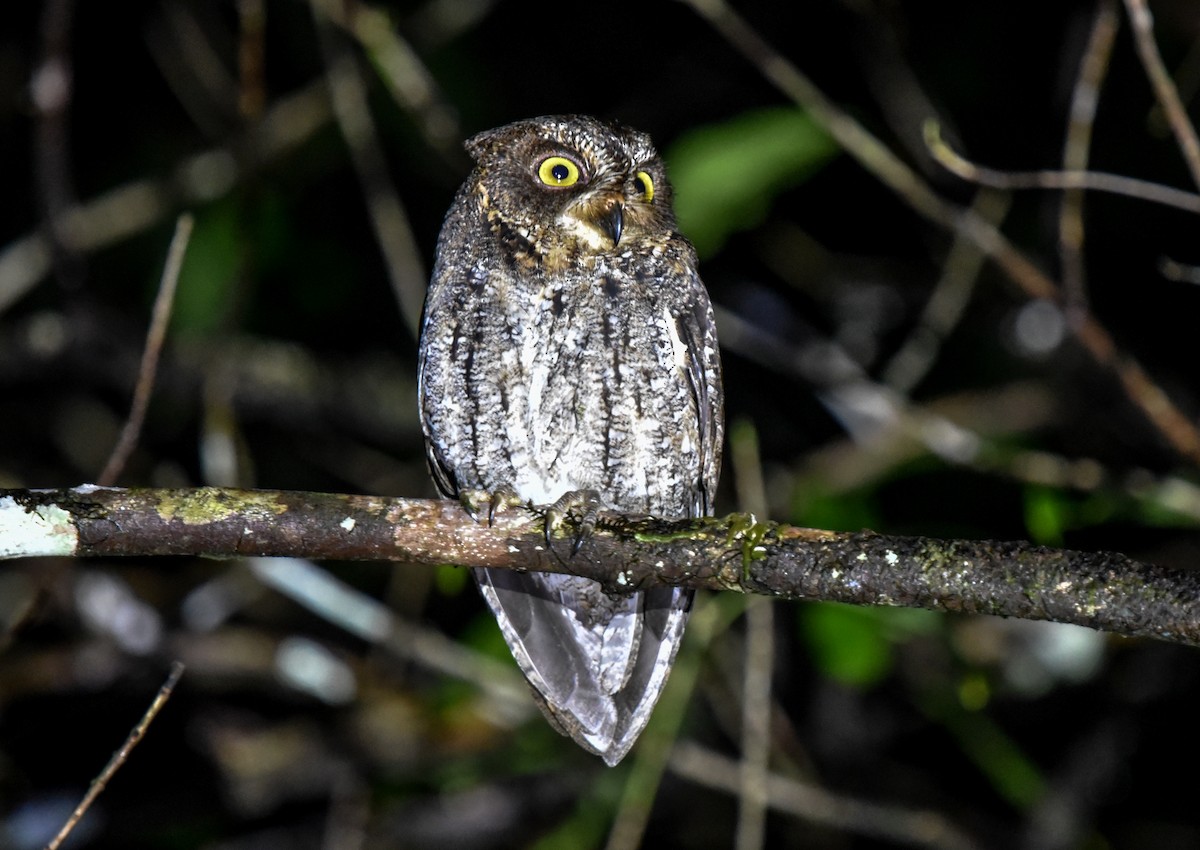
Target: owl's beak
{"x": 612, "y": 222}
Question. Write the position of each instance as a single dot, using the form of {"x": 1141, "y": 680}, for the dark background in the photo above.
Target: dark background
{"x": 289, "y": 365}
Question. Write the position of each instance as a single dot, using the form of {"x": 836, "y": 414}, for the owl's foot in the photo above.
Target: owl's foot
{"x": 496, "y": 501}
{"x": 587, "y": 502}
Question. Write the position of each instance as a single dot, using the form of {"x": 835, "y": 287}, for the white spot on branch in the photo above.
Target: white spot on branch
{"x": 44, "y": 530}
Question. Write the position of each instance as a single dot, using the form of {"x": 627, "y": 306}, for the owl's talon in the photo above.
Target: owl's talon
{"x": 587, "y": 522}
{"x": 471, "y": 501}
{"x": 588, "y": 502}
{"x": 503, "y": 498}
{"x": 497, "y": 501}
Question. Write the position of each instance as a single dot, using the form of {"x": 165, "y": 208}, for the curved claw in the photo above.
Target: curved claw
{"x": 588, "y": 501}
{"x": 503, "y": 498}
{"x": 497, "y": 501}
{"x": 471, "y": 501}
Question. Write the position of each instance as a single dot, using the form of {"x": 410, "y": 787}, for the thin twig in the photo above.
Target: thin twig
{"x": 946, "y": 303}
{"x": 712, "y": 618}
{"x": 1097, "y": 181}
{"x": 389, "y": 219}
{"x": 991, "y": 419}
{"x": 1175, "y": 270}
{"x": 410, "y": 82}
{"x": 252, "y": 85}
{"x": 439, "y": 22}
{"x": 911, "y": 827}
{"x": 119, "y": 757}
{"x": 160, "y": 318}
{"x": 1187, "y": 83}
{"x": 758, "y": 660}
{"x": 51, "y": 89}
{"x": 1076, "y": 149}
{"x": 336, "y": 602}
{"x": 1164, "y": 87}
{"x": 753, "y": 797}
{"x": 194, "y": 69}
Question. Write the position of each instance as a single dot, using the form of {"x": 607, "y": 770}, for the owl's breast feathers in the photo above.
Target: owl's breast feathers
{"x": 550, "y": 383}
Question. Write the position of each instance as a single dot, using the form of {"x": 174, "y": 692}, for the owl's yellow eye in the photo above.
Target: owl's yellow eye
{"x": 645, "y": 186}
{"x": 558, "y": 171}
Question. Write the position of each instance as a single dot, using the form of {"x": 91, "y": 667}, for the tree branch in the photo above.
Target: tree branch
{"x": 1013, "y": 579}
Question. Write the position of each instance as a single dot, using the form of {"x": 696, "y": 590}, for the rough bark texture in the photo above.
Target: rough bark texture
{"x": 1100, "y": 590}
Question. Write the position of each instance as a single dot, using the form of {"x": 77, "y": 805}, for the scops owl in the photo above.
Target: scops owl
{"x": 568, "y": 348}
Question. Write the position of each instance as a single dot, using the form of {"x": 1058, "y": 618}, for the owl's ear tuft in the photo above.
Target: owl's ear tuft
{"x": 484, "y": 145}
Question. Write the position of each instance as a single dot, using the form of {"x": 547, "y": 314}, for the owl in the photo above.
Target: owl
{"x": 568, "y": 355}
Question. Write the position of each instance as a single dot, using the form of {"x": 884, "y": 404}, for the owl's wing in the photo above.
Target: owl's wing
{"x": 665, "y": 612}
{"x": 441, "y": 471}
{"x": 697, "y": 330}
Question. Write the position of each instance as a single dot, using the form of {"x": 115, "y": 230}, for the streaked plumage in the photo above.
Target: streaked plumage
{"x": 555, "y": 359}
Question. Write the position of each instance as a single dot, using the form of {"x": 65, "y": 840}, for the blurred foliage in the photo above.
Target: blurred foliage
{"x": 288, "y": 365}
{"x": 209, "y": 275}
{"x": 855, "y": 645}
{"x": 726, "y": 175}
{"x": 1011, "y": 773}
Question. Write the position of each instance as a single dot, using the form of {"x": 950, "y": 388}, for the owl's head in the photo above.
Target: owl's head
{"x": 565, "y": 184}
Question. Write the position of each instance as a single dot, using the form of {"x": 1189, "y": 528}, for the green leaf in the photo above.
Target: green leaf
{"x": 1048, "y": 513}
{"x": 450, "y": 581}
{"x": 847, "y": 645}
{"x": 814, "y": 505}
{"x": 483, "y": 635}
{"x": 1012, "y": 774}
{"x": 726, "y": 175}
{"x": 854, "y": 645}
{"x": 210, "y": 269}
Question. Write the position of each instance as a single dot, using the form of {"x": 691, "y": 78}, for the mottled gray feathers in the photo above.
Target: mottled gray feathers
{"x": 556, "y": 358}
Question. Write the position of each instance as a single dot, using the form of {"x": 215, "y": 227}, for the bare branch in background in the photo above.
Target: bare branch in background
{"x": 653, "y": 752}
{"x": 1174, "y": 270}
{"x": 912, "y": 828}
{"x": 1164, "y": 88}
{"x": 389, "y": 219}
{"x": 947, "y": 303}
{"x": 252, "y": 84}
{"x": 52, "y": 89}
{"x": 119, "y": 757}
{"x": 880, "y": 161}
{"x": 191, "y": 65}
{"x": 160, "y": 318}
{"x": 1085, "y": 97}
{"x": 411, "y": 84}
{"x": 1096, "y": 181}
{"x": 759, "y": 657}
